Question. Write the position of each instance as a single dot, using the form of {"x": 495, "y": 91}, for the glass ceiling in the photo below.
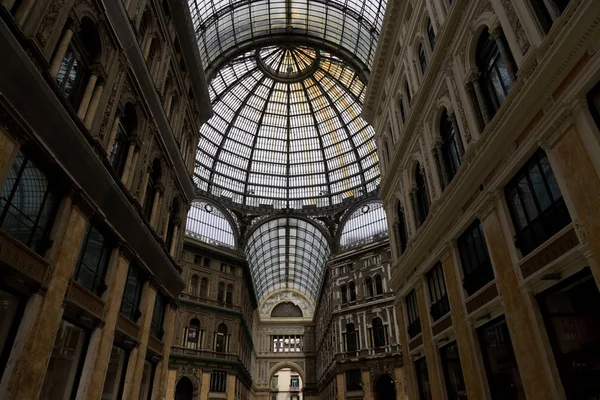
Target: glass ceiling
{"x": 225, "y": 25}
{"x": 287, "y": 253}
{"x": 286, "y": 131}
{"x": 207, "y": 223}
{"x": 365, "y": 225}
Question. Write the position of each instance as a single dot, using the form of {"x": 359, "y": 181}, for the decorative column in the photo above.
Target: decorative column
{"x": 579, "y": 183}
{"x": 144, "y": 187}
{"x": 457, "y": 135}
{"x": 230, "y": 386}
{"x": 113, "y": 131}
{"x": 366, "y": 384}
{"x": 439, "y": 162}
{"x": 62, "y": 48}
{"x": 156, "y": 204}
{"x": 432, "y": 355}
{"x": 479, "y": 96}
{"x": 168, "y": 105}
{"x": 159, "y": 386}
{"x": 87, "y": 94}
{"x": 91, "y": 112}
{"x": 137, "y": 356}
{"x": 23, "y": 11}
{"x": 399, "y": 381}
{"x": 524, "y": 322}
{"x": 409, "y": 366}
{"x": 466, "y": 337}
{"x": 133, "y": 167}
{"x": 147, "y": 45}
{"x": 204, "y": 388}
{"x": 341, "y": 387}
{"x": 102, "y": 338}
{"x": 129, "y": 161}
{"x": 552, "y": 9}
{"x": 26, "y": 368}
{"x": 498, "y": 35}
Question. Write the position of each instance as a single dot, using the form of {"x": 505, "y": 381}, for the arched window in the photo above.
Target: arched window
{"x": 407, "y": 92}
{"x": 120, "y": 147}
{"x": 379, "y": 339}
{"x": 74, "y": 70}
{"x": 430, "y": 34}
{"x": 193, "y": 334}
{"x": 421, "y": 196}
{"x": 151, "y": 187}
{"x": 548, "y": 11}
{"x": 350, "y": 337}
{"x": 204, "y": 287}
{"x": 401, "y": 234}
{"x": 194, "y": 285}
{"x": 450, "y": 149}
{"x": 220, "y": 292}
{"x": 229, "y": 294}
{"x": 422, "y": 58}
{"x": 221, "y": 342}
{"x": 352, "y": 286}
{"x": 343, "y": 289}
{"x": 494, "y": 74}
{"x": 369, "y": 287}
{"x": 378, "y": 285}
{"x": 173, "y": 220}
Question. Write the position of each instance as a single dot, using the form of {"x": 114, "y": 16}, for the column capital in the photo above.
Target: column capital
{"x": 160, "y": 188}
{"x": 98, "y": 70}
{"x": 472, "y": 76}
{"x": 488, "y": 204}
{"x": 496, "y": 31}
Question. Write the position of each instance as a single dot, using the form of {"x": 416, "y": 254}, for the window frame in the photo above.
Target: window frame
{"x": 450, "y": 148}
{"x": 413, "y": 318}
{"x": 474, "y": 276}
{"x": 133, "y": 272}
{"x": 98, "y": 284}
{"x": 158, "y": 316}
{"x": 438, "y": 295}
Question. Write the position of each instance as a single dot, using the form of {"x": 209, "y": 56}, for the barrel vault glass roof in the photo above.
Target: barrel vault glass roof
{"x": 223, "y": 26}
{"x": 287, "y": 131}
{"x": 287, "y": 253}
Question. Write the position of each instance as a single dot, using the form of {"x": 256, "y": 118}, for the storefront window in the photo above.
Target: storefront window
{"x": 10, "y": 314}
{"x": 455, "y": 384}
{"x": 423, "y": 379}
{"x": 572, "y": 317}
{"x": 62, "y": 375}
{"x": 113, "y": 384}
{"x": 500, "y": 363}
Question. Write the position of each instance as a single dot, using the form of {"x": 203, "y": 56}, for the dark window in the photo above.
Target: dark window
{"x": 173, "y": 216}
{"x": 369, "y": 287}
{"x": 197, "y": 259}
{"x": 131, "y": 295}
{"x": 422, "y": 196}
{"x": 220, "y": 292}
{"x": 93, "y": 260}
{"x": 144, "y": 25}
{"x": 407, "y": 91}
{"x": 422, "y": 58}
{"x": 344, "y": 294}
{"x": 423, "y": 379}
{"x": 204, "y": 287}
{"x": 495, "y": 77}
{"x": 207, "y": 262}
{"x": 430, "y": 34}
{"x": 351, "y": 267}
{"x": 158, "y": 316}
{"x": 402, "y": 236}
{"x": 192, "y": 337}
{"x": 350, "y": 337}
{"x": 548, "y": 11}
{"x": 402, "y": 109}
{"x": 500, "y": 363}
{"x": 536, "y": 204}
{"x": 593, "y": 99}
{"x": 352, "y": 291}
{"x": 28, "y": 204}
{"x": 229, "y": 294}
{"x": 74, "y": 70}
{"x": 453, "y": 375}
{"x": 125, "y": 129}
{"x": 412, "y": 310}
{"x": 194, "y": 285}
{"x": 378, "y": 285}
{"x": 572, "y": 318}
{"x": 379, "y": 339}
{"x": 474, "y": 258}
{"x": 151, "y": 188}
{"x": 450, "y": 152}
{"x": 218, "y": 381}
{"x": 221, "y": 340}
{"x": 437, "y": 292}
{"x": 353, "y": 380}
{"x": 387, "y": 151}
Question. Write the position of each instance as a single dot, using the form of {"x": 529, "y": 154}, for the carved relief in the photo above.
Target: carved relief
{"x": 516, "y": 26}
{"x": 47, "y": 25}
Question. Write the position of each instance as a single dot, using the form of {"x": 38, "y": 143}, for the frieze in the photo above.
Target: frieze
{"x": 553, "y": 251}
{"x": 50, "y": 17}
{"x": 515, "y": 24}
{"x": 86, "y": 300}
{"x": 484, "y": 297}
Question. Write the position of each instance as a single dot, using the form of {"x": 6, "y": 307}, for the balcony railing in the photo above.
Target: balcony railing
{"x": 202, "y": 353}
{"x": 187, "y": 296}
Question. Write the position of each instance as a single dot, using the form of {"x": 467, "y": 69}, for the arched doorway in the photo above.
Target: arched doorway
{"x": 286, "y": 383}
{"x": 384, "y": 389}
{"x": 184, "y": 389}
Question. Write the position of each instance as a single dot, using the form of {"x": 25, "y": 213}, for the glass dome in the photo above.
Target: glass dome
{"x": 287, "y": 131}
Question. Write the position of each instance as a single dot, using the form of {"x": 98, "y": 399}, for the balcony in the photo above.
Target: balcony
{"x": 294, "y": 389}
{"x": 201, "y": 353}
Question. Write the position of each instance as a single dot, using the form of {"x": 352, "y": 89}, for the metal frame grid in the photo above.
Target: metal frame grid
{"x": 366, "y": 224}
{"x": 224, "y": 25}
{"x": 287, "y": 253}
{"x": 287, "y": 144}
{"x": 207, "y": 223}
